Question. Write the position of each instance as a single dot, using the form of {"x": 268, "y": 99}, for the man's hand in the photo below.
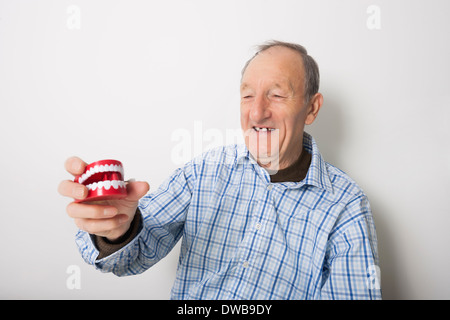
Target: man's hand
{"x": 108, "y": 218}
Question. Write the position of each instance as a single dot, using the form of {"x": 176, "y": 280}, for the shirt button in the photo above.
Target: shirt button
{"x": 245, "y": 264}
{"x": 269, "y": 187}
{"x": 258, "y": 226}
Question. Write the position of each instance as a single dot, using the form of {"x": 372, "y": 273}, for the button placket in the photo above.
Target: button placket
{"x": 252, "y": 240}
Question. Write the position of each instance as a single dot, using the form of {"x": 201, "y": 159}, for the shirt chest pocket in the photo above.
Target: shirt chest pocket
{"x": 232, "y": 209}
{"x": 304, "y": 230}
{"x": 229, "y": 200}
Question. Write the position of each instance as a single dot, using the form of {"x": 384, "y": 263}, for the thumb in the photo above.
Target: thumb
{"x": 136, "y": 190}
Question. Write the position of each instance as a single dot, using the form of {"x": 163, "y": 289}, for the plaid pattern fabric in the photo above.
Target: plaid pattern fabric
{"x": 244, "y": 237}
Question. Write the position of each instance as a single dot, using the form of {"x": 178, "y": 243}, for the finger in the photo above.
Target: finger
{"x": 75, "y": 165}
{"x": 136, "y": 190}
{"x": 90, "y": 211}
{"x": 72, "y": 189}
{"x": 101, "y": 226}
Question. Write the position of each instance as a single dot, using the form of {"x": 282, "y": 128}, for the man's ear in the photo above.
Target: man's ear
{"x": 313, "y": 108}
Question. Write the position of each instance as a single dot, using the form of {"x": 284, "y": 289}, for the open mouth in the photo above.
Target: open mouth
{"x": 104, "y": 180}
{"x": 263, "y": 129}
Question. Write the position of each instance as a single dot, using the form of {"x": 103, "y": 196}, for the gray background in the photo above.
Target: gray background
{"x": 120, "y": 78}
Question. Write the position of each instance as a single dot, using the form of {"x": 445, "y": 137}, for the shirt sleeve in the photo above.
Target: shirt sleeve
{"x": 163, "y": 215}
{"x": 351, "y": 269}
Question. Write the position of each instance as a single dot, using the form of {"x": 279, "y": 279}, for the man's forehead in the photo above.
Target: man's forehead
{"x": 273, "y": 83}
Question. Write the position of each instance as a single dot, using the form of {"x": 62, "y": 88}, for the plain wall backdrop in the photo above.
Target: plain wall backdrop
{"x": 122, "y": 79}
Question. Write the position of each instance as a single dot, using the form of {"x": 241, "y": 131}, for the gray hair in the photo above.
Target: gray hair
{"x": 312, "y": 76}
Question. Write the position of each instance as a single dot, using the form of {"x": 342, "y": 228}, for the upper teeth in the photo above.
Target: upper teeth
{"x": 263, "y": 129}
{"x": 100, "y": 168}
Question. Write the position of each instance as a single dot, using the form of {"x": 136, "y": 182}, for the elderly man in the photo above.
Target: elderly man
{"x": 266, "y": 220}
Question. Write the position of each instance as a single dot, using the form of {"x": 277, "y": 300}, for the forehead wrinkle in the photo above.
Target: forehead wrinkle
{"x": 276, "y": 84}
{"x": 280, "y": 86}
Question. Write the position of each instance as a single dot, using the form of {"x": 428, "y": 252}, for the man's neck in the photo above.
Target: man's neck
{"x": 295, "y": 172}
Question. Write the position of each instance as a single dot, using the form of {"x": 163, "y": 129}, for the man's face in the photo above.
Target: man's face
{"x": 273, "y": 112}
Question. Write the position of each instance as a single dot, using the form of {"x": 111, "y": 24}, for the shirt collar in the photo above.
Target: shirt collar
{"x": 243, "y": 153}
{"x": 317, "y": 173}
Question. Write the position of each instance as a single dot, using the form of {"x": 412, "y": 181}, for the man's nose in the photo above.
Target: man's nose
{"x": 260, "y": 109}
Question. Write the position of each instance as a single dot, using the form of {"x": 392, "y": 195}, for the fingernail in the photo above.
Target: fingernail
{"x": 78, "y": 192}
{"x": 109, "y": 211}
{"x": 76, "y": 167}
{"x": 122, "y": 219}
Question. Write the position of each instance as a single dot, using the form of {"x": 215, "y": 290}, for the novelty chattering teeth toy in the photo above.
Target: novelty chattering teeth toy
{"x": 104, "y": 181}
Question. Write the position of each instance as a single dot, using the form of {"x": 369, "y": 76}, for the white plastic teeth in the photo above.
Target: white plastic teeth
{"x": 263, "y": 129}
{"x": 107, "y": 184}
{"x": 100, "y": 168}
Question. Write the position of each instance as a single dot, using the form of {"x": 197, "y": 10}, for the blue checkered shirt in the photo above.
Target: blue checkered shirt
{"x": 244, "y": 237}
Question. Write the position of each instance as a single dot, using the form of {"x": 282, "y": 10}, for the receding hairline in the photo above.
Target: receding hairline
{"x": 278, "y": 49}
{"x": 300, "y": 50}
